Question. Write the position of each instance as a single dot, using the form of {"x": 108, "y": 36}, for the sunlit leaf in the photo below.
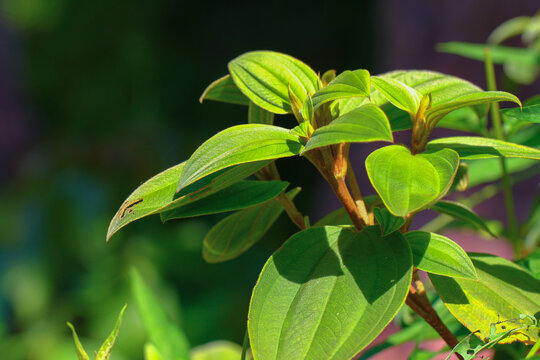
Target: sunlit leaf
{"x": 388, "y": 222}
{"x": 104, "y": 352}
{"x": 224, "y": 90}
{"x": 168, "y": 339}
{"x": 235, "y": 197}
{"x": 495, "y": 301}
{"x": 217, "y": 350}
{"x": 236, "y": 145}
{"x": 399, "y": 94}
{"x": 461, "y": 212}
{"x": 151, "y": 352}
{"x": 318, "y": 298}
{"x": 437, "y": 254}
{"x": 265, "y": 76}
{"x": 483, "y": 148}
{"x": 238, "y": 232}
{"x": 82, "y": 355}
{"x": 365, "y": 124}
{"x": 406, "y": 182}
{"x": 347, "y": 84}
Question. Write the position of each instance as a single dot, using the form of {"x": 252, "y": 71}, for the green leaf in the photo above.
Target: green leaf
{"x": 257, "y": 115}
{"x": 495, "y": 301}
{"x": 78, "y": 346}
{"x": 158, "y": 194}
{"x": 104, "y": 352}
{"x": 217, "y": 350}
{"x": 464, "y": 119}
{"x": 318, "y": 297}
{"x": 483, "y": 148}
{"x": 169, "y": 340}
{"x": 264, "y": 77}
{"x": 487, "y": 170}
{"x": 435, "y": 113}
{"x": 508, "y": 29}
{"x": 347, "y": 84}
{"x": 408, "y": 183}
{"x": 224, "y": 90}
{"x": 499, "y": 54}
{"x": 437, "y": 254}
{"x": 389, "y": 223}
{"x": 238, "y": 232}
{"x": 239, "y": 144}
{"x": 399, "y": 94}
{"x": 461, "y": 212}
{"x": 151, "y": 352}
{"x": 365, "y": 124}
{"x": 527, "y": 113}
{"x": 235, "y": 197}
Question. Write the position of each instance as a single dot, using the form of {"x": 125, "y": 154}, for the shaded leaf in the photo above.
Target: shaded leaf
{"x": 437, "y": 254}
{"x": 399, "y": 94}
{"x": 408, "y": 183}
{"x": 82, "y": 355}
{"x": 265, "y": 76}
{"x": 238, "y": 232}
{"x": 169, "y": 340}
{"x": 494, "y": 302}
{"x": 483, "y": 148}
{"x": 340, "y": 304}
{"x": 389, "y": 223}
{"x": 365, "y": 124}
{"x": 104, "y": 352}
{"x": 257, "y": 115}
{"x": 236, "y": 145}
{"x": 237, "y": 196}
{"x": 224, "y": 90}
{"x": 461, "y": 212}
{"x": 527, "y": 113}
{"x": 347, "y": 84}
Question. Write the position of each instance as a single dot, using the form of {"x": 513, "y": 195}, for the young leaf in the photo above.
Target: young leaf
{"x": 236, "y": 233}
{"x": 78, "y": 346}
{"x": 495, "y": 301}
{"x": 235, "y": 197}
{"x": 399, "y": 94}
{"x": 264, "y": 77}
{"x": 318, "y": 297}
{"x": 217, "y": 350}
{"x": 483, "y": 148}
{"x": 435, "y": 113}
{"x": 104, "y": 352}
{"x": 406, "y": 182}
{"x": 159, "y": 193}
{"x": 224, "y": 90}
{"x": 168, "y": 339}
{"x": 527, "y": 113}
{"x": 388, "y": 222}
{"x": 461, "y": 212}
{"x": 365, "y": 124}
{"x": 345, "y": 85}
{"x": 239, "y": 144}
{"x": 437, "y": 254}
{"x": 257, "y": 115}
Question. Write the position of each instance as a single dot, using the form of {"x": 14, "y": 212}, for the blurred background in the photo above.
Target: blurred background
{"x": 98, "y": 96}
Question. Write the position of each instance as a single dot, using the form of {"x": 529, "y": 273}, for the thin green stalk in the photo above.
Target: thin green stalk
{"x": 245, "y": 346}
{"x": 507, "y": 184}
{"x": 534, "y": 350}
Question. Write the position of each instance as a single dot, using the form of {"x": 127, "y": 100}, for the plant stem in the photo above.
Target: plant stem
{"x": 534, "y": 350}
{"x": 507, "y": 184}
{"x": 357, "y": 194}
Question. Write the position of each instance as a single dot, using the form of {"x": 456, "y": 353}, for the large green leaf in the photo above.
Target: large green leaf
{"x": 406, "y": 182}
{"x": 238, "y": 232}
{"x": 501, "y": 294}
{"x": 265, "y": 76}
{"x": 319, "y": 298}
{"x": 235, "y": 197}
{"x": 399, "y": 94}
{"x": 217, "y": 350}
{"x": 437, "y": 254}
{"x": 499, "y": 54}
{"x": 435, "y": 113}
{"x": 239, "y": 144}
{"x": 168, "y": 339}
{"x": 529, "y": 113}
{"x": 158, "y": 194}
{"x": 224, "y": 90}
{"x": 365, "y": 124}
{"x": 461, "y": 212}
{"x": 483, "y": 148}
{"x": 347, "y": 84}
